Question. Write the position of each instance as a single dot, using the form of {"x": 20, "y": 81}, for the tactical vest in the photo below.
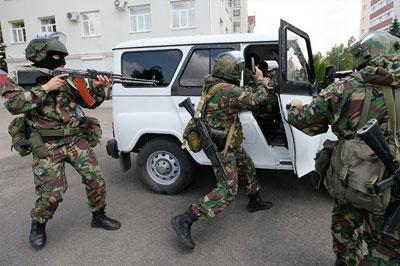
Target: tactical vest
{"x": 192, "y": 137}
{"x": 354, "y": 168}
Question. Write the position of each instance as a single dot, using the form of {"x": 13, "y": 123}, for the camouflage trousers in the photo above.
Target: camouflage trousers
{"x": 50, "y": 180}
{"x": 237, "y": 163}
{"x": 350, "y": 226}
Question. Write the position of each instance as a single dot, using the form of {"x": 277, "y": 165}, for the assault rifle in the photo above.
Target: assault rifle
{"x": 372, "y": 135}
{"x": 208, "y": 145}
{"x": 27, "y": 76}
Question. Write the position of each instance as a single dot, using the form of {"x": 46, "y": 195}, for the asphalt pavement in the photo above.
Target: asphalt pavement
{"x": 294, "y": 232}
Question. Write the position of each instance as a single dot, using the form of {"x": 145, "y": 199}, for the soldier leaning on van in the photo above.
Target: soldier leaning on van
{"x": 346, "y": 105}
{"x": 58, "y": 132}
{"x": 224, "y": 100}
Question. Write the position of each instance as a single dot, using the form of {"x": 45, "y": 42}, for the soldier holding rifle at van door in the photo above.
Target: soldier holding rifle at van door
{"x": 55, "y": 130}
{"x": 221, "y": 102}
{"x": 360, "y": 211}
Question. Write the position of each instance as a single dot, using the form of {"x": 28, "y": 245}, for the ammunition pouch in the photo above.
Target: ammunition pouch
{"x": 323, "y": 157}
{"x": 18, "y": 131}
{"x": 39, "y": 148}
{"x": 93, "y": 131}
{"x": 192, "y": 137}
{"x": 354, "y": 169}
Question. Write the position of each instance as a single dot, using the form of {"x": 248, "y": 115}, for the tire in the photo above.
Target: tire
{"x": 164, "y": 167}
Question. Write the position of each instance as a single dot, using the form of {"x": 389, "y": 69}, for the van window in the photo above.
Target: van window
{"x": 158, "y": 65}
{"x": 297, "y": 58}
{"x": 200, "y": 64}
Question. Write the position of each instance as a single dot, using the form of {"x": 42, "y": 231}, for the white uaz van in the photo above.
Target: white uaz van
{"x": 149, "y": 120}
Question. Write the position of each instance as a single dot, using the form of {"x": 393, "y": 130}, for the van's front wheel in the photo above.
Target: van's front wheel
{"x": 164, "y": 167}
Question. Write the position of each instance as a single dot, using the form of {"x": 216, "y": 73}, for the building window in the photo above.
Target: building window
{"x": 18, "y": 34}
{"x": 236, "y": 3}
{"x": 91, "y": 24}
{"x": 48, "y": 24}
{"x": 140, "y": 18}
{"x": 182, "y": 14}
{"x": 236, "y": 13}
{"x": 236, "y": 26}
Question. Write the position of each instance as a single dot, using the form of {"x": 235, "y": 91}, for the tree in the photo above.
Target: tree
{"x": 395, "y": 28}
{"x": 340, "y": 56}
{"x": 319, "y": 66}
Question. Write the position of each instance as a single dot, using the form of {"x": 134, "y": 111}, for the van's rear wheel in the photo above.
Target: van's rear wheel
{"x": 164, "y": 167}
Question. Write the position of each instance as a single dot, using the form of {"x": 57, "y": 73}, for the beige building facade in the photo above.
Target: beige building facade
{"x": 94, "y": 27}
{"x": 378, "y": 14}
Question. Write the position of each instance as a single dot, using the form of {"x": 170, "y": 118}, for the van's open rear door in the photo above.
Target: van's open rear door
{"x": 296, "y": 82}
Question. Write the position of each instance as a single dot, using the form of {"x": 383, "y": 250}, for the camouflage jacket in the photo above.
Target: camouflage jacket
{"x": 48, "y": 110}
{"x": 341, "y": 103}
{"x": 231, "y": 99}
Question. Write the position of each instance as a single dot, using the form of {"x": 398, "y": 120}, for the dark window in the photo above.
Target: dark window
{"x": 158, "y": 65}
{"x": 199, "y": 66}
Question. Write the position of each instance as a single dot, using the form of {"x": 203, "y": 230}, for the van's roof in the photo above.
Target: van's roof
{"x": 196, "y": 39}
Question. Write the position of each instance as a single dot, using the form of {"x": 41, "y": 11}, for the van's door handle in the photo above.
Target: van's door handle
{"x": 181, "y": 105}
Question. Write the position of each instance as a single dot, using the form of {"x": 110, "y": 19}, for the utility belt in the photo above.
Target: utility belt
{"x": 56, "y": 134}
{"x": 26, "y": 140}
{"x": 63, "y": 132}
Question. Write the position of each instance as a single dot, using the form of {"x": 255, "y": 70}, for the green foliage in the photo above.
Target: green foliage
{"x": 395, "y": 28}
{"x": 320, "y": 65}
{"x": 340, "y": 56}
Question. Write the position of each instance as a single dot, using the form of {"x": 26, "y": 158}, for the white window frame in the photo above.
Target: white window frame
{"x": 18, "y": 34}
{"x": 183, "y": 14}
{"x": 236, "y": 26}
{"x": 46, "y": 26}
{"x": 93, "y": 24}
{"x": 237, "y": 11}
{"x": 135, "y": 18}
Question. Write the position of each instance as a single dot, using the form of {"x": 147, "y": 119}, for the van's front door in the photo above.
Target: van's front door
{"x": 296, "y": 81}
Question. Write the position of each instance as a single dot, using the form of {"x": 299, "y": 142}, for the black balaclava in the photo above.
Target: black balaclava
{"x": 50, "y": 63}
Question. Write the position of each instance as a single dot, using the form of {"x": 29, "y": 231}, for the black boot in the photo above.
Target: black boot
{"x": 37, "y": 236}
{"x": 340, "y": 262}
{"x": 182, "y": 224}
{"x": 100, "y": 220}
{"x": 257, "y": 204}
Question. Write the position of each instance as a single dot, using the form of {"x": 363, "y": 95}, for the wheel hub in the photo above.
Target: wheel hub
{"x": 163, "y": 167}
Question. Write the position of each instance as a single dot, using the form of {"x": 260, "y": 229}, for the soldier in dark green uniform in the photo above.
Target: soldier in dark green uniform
{"x": 225, "y": 100}
{"x": 52, "y": 112}
{"x": 346, "y": 105}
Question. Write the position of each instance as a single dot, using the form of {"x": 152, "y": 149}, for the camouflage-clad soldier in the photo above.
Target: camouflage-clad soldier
{"x": 221, "y": 112}
{"x": 53, "y": 109}
{"x": 376, "y": 57}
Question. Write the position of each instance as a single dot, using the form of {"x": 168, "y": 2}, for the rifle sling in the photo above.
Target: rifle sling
{"x": 392, "y": 108}
{"x": 365, "y": 110}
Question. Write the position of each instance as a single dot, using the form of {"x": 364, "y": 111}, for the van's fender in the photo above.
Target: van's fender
{"x": 167, "y": 125}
